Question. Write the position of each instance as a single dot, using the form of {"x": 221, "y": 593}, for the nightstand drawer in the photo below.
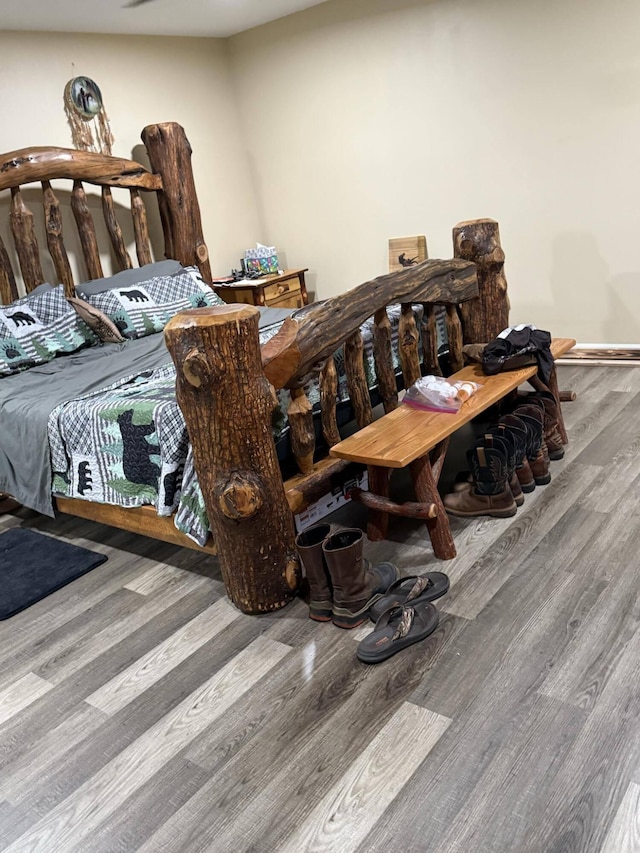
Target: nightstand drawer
{"x": 278, "y": 289}
{"x": 292, "y": 299}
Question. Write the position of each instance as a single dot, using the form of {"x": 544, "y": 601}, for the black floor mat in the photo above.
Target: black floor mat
{"x": 33, "y": 565}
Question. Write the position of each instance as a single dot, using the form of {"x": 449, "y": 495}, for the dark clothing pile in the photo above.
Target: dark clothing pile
{"x": 516, "y": 347}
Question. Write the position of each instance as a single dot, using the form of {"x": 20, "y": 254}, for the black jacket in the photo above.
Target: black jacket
{"x": 516, "y": 347}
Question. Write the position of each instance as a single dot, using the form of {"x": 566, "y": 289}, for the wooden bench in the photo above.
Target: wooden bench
{"x": 419, "y": 439}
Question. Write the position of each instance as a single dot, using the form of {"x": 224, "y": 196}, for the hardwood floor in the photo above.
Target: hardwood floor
{"x": 139, "y": 711}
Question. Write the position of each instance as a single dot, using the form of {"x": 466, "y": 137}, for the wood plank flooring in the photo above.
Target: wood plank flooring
{"x": 139, "y": 711}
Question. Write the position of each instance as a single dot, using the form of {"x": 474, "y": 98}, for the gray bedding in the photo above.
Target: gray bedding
{"x": 28, "y": 398}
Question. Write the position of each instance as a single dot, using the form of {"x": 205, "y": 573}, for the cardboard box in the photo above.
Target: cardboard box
{"x": 338, "y": 496}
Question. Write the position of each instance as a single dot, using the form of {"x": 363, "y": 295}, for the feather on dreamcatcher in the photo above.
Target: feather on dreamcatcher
{"x": 86, "y": 115}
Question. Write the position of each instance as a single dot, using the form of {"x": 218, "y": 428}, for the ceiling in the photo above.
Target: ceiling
{"x": 210, "y": 18}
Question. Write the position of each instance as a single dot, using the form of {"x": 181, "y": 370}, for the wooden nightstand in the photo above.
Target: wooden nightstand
{"x": 276, "y": 291}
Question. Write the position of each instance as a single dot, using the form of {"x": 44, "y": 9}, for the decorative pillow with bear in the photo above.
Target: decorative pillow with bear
{"x": 37, "y": 328}
{"x": 146, "y": 307}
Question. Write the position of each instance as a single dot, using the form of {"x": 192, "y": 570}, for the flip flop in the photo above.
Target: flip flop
{"x": 411, "y": 590}
{"x": 396, "y": 629}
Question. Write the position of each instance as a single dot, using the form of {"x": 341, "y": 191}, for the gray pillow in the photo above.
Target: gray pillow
{"x": 127, "y": 278}
{"x": 41, "y": 288}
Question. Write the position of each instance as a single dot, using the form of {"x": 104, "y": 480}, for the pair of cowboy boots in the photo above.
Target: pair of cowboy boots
{"x": 551, "y": 421}
{"x": 491, "y": 488}
{"x": 532, "y": 415}
{"x": 342, "y": 584}
{"x": 507, "y": 461}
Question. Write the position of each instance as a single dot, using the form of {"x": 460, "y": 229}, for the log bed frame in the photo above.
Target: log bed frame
{"x": 228, "y": 409}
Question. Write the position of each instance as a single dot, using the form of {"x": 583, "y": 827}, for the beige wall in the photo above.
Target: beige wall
{"x": 143, "y": 80}
{"x": 330, "y": 131}
{"x": 370, "y": 119}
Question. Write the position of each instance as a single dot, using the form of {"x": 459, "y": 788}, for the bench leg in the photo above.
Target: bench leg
{"x": 378, "y": 522}
{"x": 436, "y": 458}
{"x": 426, "y": 488}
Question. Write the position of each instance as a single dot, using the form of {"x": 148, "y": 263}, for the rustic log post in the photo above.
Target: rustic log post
{"x": 227, "y": 403}
{"x": 24, "y": 236}
{"x": 485, "y": 317}
{"x": 86, "y": 231}
{"x": 383, "y": 360}
{"x": 357, "y": 380}
{"x": 454, "y": 334}
{"x": 408, "y": 345}
{"x": 140, "y": 228}
{"x": 170, "y": 155}
{"x": 328, "y": 399}
{"x": 429, "y": 334}
{"x": 303, "y": 436}
{"x": 55, "y": 242}
{"x": 115, "y": 231}
{"x": 8, "y": 286}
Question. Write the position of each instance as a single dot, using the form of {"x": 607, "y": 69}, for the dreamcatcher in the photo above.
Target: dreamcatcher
{"x": 86, "y": 115}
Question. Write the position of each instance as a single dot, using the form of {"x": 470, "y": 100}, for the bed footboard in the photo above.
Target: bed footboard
{"x": 227, "y": 403}
{"x": 226, "y": 390}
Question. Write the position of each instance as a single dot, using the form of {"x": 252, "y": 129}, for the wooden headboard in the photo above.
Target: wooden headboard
{"x": 171, "y": 180}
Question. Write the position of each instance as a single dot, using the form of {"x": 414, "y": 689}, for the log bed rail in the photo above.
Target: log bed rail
{"x": 228, "y": 411}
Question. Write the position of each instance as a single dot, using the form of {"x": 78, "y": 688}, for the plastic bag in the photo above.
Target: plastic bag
{"x": 435, "y": 394}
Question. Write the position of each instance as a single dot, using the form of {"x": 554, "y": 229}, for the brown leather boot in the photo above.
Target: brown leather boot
{"x": 309, "y": 545}
{"x": 495, "y": 437}
{"x": 490, "y": 493}
{"x": 552, "y": 436}
{"x": 498, "y": 437}
{"x": 518, "y": 432}
{"x": 356, "y": 586}
{"x": 532, "y": 416}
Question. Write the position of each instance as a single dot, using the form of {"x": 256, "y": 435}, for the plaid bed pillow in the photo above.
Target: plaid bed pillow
{"x": 36, "y": 328}
{"x": 145, "y": 308}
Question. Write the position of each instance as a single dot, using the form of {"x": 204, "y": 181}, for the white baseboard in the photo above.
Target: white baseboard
{"x": 621, "y": 355}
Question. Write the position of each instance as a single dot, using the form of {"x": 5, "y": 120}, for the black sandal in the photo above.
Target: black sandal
{"x": 411, "y": 590}
{"x": 396, "y": 629}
